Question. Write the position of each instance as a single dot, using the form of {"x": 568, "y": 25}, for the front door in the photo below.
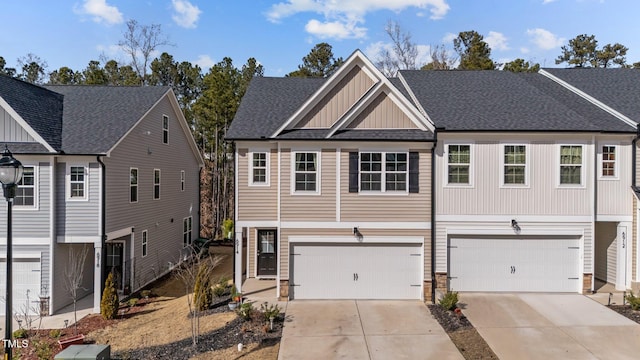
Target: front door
{"x": 115, "y": 256}
{"x": 267, "y": 253}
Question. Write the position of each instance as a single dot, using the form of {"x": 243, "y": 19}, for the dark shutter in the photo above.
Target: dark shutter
{"x": 353, "y": 172}
{"x": 414, "y": 172}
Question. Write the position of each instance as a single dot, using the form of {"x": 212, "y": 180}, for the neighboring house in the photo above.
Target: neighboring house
{"x": 615, "y": 91}
{"x": 532, "y": 185}
{"x": 333, "y": 194}
{"x": 113, "y": 169}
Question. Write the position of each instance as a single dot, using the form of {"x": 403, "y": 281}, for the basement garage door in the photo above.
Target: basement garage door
{"x": 519, "y": 265}
{"x": 341, "y": 271}
{"x": 26, "y": 277}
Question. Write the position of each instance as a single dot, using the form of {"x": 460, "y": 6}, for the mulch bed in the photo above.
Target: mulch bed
{"x": 625, "y": 310}
{"x": 462, "y": 333}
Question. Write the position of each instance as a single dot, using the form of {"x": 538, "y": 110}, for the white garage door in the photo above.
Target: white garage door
{"x": 335, "y": 271}
{"x": 26, "y": 277}
{"x": 527, "y": 264}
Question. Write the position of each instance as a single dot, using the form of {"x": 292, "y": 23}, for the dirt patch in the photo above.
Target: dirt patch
{"x": 464, "y": 336}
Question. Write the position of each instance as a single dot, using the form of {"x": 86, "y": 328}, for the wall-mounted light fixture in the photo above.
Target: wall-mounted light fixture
{"x": 357, "y": 234}
{"x": 515, "y": 226}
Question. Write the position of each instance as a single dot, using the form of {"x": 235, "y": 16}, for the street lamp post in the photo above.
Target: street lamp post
{"x": 10, "y": 175}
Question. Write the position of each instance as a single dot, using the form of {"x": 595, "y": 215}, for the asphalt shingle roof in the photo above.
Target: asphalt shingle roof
{"x": 39, "y": 107}
{"x": 617, "y": 88}
{"x": 505, "y": 101}
{"x": 97, "y": 117}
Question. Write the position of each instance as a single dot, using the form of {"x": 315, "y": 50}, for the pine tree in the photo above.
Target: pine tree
{"x": 109, "y": 302}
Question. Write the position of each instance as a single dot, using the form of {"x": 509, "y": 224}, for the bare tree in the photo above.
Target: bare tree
{"x": 187, "y": 272}
{"x": 403, "y": 52}
{"x": 441, "y": 59}
{"x": 73, "y": 276}
{"x": 140, "y": 42}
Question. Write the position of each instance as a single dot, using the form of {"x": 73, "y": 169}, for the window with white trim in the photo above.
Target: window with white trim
{"x": 187, "y": 224}
{"x": 133, "y": 185}
{"x": 181, "y": 180}
{"x": 306, "y": 171}
{"x": 259, "y": 168}
{"x": 144, "y": 243}
{"x": 514, "y": 165}
{"x": 459, "y": 164}
{"x": 571, "y": 162}
{"x": 165, "y": 129}
{"x": 77, "y": 182}
{"x": 26, "y": 189}
{"x": 156, "y": 184}
{"x": 380, "y": 171}
{"x": 609, "y": 161}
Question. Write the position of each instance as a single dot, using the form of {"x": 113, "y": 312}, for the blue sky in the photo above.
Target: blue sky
{"x": 279, "y": 33}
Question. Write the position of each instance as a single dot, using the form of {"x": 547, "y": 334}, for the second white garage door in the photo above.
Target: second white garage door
{"x": 507, "y": 264}
{"x": 336, "y": 271}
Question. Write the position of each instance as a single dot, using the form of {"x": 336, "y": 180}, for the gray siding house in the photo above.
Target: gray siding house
{"x": 111, "y": 169}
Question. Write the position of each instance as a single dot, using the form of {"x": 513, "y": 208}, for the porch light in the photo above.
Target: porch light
{"x": 10, "y": 175}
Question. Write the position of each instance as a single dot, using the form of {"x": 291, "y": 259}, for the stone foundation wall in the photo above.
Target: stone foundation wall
{"x": 587, "y": 280}
{"x": 284, "y": 290}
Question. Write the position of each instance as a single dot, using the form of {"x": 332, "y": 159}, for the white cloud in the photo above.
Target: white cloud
{"x": 100, "y": 11}
{"x": 496, "y": 41}
{"x": 448, "y": 38}
{"x": 205, "y": 62}
{"x": 545, "y": 39}
{"x": 524, "y": 50}
{"x": 186, "y": 14}
{"x": 548, "y": 1}
{"x": 342, "y": 19}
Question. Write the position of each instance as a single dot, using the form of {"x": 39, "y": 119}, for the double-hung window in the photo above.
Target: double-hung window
{"x": 306, "y": 172}
{"x": 515, "y": 165}
{"x": 571, "y": 164}
{"x": 144, "y": 243}
{"x": 181, "y": 180}
{"x": 156, "y": 184}
{"x": 259, "y": 166}
{"x": 26, "y": 190}
{"x": 187, "y": 224}
{"x": 383, "y": 172}
{"x": 459, "y": 164}
{"x": 165, "y": 129}
{"x": 77, "y": 182}
{"x": 609, "y": 161}
{"x": 133, "y": 185}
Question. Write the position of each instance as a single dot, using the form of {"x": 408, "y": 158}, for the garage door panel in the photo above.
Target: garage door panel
{"x": 26, "y": 278}
{"x": 339, "y": 271}
{"x": 536, "y": 265}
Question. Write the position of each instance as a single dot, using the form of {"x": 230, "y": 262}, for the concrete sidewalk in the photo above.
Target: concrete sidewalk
{"x": 551, "y": 326}
{"x": 363, "y": 329}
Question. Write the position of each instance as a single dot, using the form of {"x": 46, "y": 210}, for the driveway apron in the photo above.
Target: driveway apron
{"x": 551, "y": 326}
{"x": 363, "y": 329}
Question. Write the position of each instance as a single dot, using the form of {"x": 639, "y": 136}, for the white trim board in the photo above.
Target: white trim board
{"x": 354, "y": 240}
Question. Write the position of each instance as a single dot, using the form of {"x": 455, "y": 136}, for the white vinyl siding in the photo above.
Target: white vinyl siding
{"x": 26, "y": 192}
{"x": 306, "y": 171}
{"x": 77, "y": 182}
{"x": 514, "y": 165}
{"x": 459, "y": 170}
{"x": 571, "y": 165}
{"x": 259, "y": 168}
{"x": 383, "y": 172}
{"x": 133, "y": 185}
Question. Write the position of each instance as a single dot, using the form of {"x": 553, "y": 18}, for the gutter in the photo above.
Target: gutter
{"x": 433, "y": 216}
{"x": 103, "y": 225}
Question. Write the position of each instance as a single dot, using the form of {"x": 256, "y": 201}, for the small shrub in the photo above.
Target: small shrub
{"x": 55, "y": 333}
{"x": 20, "y": 334}
{"x": 269, "y": 311}
{"x": 109, "y": 302}
{"x": 219, "y": 290}
{"x": 132, "y": 302}
{"x": 245, "y": 310}
{"x": 43, "y": 349}
{"x": 634, "y": 301}
{"x": 145, "y": 293}
{"x": 450, "y": 300}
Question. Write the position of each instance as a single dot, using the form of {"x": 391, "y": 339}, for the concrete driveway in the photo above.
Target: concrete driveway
{"x": 363, "y": 329}
{"x": 551, "y": 326}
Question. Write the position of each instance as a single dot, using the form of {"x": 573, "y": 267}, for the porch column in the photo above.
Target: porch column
{"x": 97, "y": 279}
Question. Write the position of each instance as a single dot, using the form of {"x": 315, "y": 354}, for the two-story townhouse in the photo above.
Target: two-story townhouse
{"x": 531, "y": 183}
{"x": 111, "y": 169}
{"x": 615, "y": 91}
{"x": 333, "y": 195}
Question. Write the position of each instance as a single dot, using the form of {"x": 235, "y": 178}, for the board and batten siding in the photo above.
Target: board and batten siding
{"x": 612, "y": 194}
{"x": 348, "y": 232}
{"x": 542, "y": 196}
{"x": 310, "y": 207}
{"x": 143, "y": 148}
{"x": 338, "y": 100}
{"x": 77, "y": 217}
{"x": 11, "y": 130}
{"x": 29, "y": 221}
{"x": 257, "y": 202}
{"x": 409, "y": 207}
{"x": 382, "y": 113}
